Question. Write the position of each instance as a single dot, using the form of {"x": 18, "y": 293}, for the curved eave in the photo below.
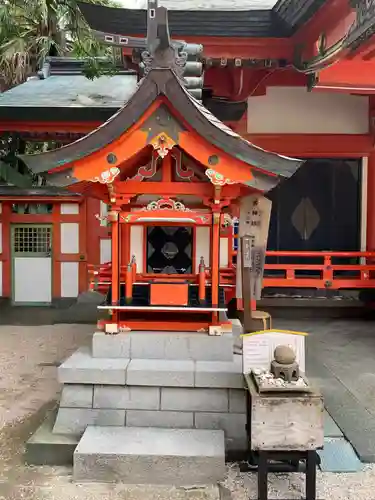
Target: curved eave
{"x": 164, "y": 82}
{"x": 96, "y": 140}
{"x": 260, "y": 182}
{"x": 218, "y": 134}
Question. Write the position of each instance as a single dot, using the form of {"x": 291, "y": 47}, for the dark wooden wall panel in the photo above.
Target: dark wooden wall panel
{"x": 317, "y": 209}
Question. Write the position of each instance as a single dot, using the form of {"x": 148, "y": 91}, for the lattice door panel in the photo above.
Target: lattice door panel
{"x": 32, "y": 240}
{"x": 169, "y": 250}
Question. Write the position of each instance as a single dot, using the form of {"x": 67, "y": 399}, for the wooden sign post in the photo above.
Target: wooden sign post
{"x": 247, "y": 284}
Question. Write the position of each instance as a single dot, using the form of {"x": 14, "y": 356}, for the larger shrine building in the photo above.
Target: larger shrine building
{"x": 295, "y": 78}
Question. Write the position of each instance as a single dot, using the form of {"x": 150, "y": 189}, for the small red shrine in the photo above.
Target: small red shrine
{"x": 174, "y": 177}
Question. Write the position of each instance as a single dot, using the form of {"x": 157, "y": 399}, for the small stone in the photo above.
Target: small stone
{"x": 284, "y": 355}
{"x": 301, "y": 383}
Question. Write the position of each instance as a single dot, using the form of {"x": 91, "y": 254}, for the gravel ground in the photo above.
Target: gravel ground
{"x": 28, "y": 359}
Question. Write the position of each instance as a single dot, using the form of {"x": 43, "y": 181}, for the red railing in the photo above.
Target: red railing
{"x": 323, "y": 275}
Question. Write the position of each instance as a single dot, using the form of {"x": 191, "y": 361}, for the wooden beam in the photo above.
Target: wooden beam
{"x": 330, "y": 20}
{"x": 40, "y": 126}
{"x": 241, "y": 47}
{"x": 199, "y": 189}
{"x": 167, "y": 169}
{"x": 349, "y": 75}
{"x": 315, "y": 145}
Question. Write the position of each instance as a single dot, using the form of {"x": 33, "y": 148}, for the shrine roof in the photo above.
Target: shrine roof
{"x": 219, "y": 18}
{"x": 174, "y": 112}
{"x": 48, "y": 191}
{"x": 164, "y": 82}
{"x": 65, "y": 94}
{"x": 67, "y": 90}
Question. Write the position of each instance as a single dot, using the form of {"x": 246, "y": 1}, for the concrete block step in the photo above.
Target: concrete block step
{"x": 82, "y": 368}
{"x": 178, "y": 457}
{"x": 189, "y": 346}
{"x": 170, "y": 373}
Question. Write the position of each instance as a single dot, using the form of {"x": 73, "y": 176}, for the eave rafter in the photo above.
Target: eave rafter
{"x": 360, "y": 31}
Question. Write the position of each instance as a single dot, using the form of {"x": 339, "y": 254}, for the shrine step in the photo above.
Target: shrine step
{"x": 194, "y": 346}
{"x": 82, "y": 368}
{"x": 178, "y": 457}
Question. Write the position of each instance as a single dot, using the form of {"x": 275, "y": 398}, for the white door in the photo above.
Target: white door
{"x": 32, "y": 263}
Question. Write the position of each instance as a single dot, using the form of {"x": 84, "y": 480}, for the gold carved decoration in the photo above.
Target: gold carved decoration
{"x": 108, "y": 176}
{"x": 166, "y": 204}
{"x": 162, "y": 143}
{"x": 216, "y": 217}
{"x": 227, "y": 220}
{"x": 217, "y": 179}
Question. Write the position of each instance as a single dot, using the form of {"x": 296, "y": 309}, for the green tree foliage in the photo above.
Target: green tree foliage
{"x": 30, "y": 30}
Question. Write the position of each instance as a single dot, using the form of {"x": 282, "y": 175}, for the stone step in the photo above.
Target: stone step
{"x": 178, "y": 457}
{"x": 190, "y": 346}
{"x": 83, "y": 368}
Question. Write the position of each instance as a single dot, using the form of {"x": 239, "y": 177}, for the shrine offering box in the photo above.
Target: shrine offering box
{"x": 285, "y": 421}
{"x": 169, "y": 294}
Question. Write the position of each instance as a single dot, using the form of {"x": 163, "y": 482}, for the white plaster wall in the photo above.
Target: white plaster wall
{"x": 224, "y": 252}
{"x": 294, "y": 110}
{"x": 69, "y": 237}
{"x": 69, "y": 208}
{"x": 103, "y": 212}
{"x": 202, "y": 246}
{"x": 105, "y": 250}
{"x": 136, "y": 246}
{"x": 32, "y": 279}
{"x": 69, "y": 279}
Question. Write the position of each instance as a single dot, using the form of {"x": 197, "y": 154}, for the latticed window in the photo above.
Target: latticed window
{"x": 32, "y": 239}
{"x": 169, "y": 250}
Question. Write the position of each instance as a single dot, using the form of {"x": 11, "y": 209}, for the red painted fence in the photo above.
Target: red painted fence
{"x": 357, "y": 270}
{"x": 333, "y": 270}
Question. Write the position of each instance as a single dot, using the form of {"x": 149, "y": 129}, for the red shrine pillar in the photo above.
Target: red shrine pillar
{"x": 371, "y": 203}
{"x": 114, "y": 217}
{"x": 215, "y": 262}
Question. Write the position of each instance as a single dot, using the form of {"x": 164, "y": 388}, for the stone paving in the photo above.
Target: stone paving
{"x": 341, "y": 360}
{"x": 28, "y": 360}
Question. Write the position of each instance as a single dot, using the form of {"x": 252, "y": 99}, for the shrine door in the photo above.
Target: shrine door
{"x": 31, "y": 263}
{"x": 317, "y": 209}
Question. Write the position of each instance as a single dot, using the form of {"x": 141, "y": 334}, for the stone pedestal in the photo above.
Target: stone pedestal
{"x": 152, "y": 384}
{"x": 153, "y": 379}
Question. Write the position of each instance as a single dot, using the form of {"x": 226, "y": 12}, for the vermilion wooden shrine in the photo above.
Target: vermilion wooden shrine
{"x": 174, "y": 177}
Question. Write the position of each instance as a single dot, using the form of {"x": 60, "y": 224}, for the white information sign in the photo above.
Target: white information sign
{"x": 258, "y": 348}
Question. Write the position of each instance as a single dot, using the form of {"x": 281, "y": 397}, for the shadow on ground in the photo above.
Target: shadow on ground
{"x": 66, "y": 312}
